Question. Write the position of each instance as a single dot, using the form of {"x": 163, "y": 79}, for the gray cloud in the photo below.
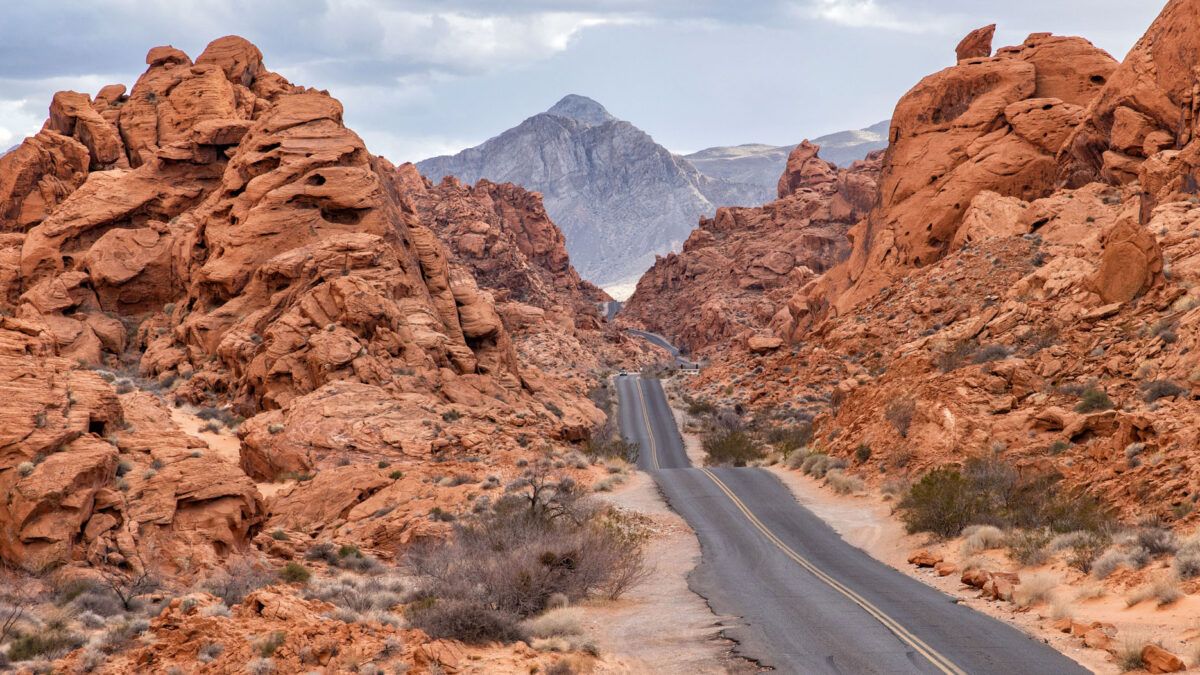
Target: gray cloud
{"x": 424, "y": 76}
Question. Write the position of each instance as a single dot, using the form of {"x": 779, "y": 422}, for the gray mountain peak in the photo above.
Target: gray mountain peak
{"x": 581, "y": 109}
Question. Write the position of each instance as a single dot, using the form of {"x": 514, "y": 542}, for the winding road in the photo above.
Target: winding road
{"x": 808, "y": 601}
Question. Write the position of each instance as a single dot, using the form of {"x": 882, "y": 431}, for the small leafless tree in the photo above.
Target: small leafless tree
{"x": 17, "y": 597}
{"x": 132, "y": 577}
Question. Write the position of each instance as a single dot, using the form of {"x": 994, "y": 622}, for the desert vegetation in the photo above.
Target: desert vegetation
{"x": 540, "y": 545}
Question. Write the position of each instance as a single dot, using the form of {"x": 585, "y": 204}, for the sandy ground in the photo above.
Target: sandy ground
{"x": 661, "y": 626}
{"x": 224, "y": 444}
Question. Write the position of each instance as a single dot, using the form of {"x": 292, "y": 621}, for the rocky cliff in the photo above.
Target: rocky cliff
{"x": 619, "y": 197}
{"x": 215, "y": 238}
{"x": 737, "y": 268}
{"x": 1024, "y": 287}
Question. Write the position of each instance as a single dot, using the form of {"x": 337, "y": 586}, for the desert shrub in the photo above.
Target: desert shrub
{"x": 1028, "y": 547}
{"x": 268, "y": 645}
{"x": 954, "y": 358}
{"x": 990, "y": 491}
{"x": 46, "y": 644}
{"x": 1129, "y": 655}
{"x": 1093, "y": 399}
{"x": 842, "y": 483}
{"x": 209, "y": 652}
{"x": 979, "y": 538}
{"x": 990, "y": 353}
{"x": 99, "y": 601}
{"x": 554, "y": 623}
{"x": 698, "y": 407}
{"x": 788, "y": 439}
{"x": 1109, "y": 561}
{"x": 900, "y": 414}
{"x": 1187, "y": 564}
{"x": 1085, "y": 547}
{"x": 862, "y": 453}
{"x": 605, "y": 441}
{"x": 1156, "y": 389}
{"x": 237, "y": 579}
{"x": 730, "y": 447}
{"x": 1157, "y": 540}
{"x": 121, "y": 633}
{"x": 322, "y": 551}
{"x": 359, "y": 595}
{"x": 538, "y": 542}
{"x": 295, "y": 573}
{"x": 470, "y": 622}
{"x": 1034, "y": 589}
{"x": 942, "y": 502}
{"x": 1164, "y": 591}
{"x": 818, "y": 464}
{"x": 260, "y": 666}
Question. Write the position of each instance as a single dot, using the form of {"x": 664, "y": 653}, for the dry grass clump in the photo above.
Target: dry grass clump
{"x": 1034, "y": 589}
{"x": 360, "y": 599}
{"x": 1129, "y": 653}
{"x": 563, "y": 622}
{"x": 818, "y": 464}
{"x": 1164, "y": 590}
{"x": 843, "y": 483}
{"x": 979, "y": 538}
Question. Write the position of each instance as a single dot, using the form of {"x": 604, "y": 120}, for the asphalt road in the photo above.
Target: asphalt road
{"x": 663, "y": 342}
{"x": 808, "y": 601}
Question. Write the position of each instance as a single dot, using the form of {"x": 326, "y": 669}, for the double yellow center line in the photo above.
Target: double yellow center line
{"x": 939, "y": 661}
{"x": 649, "y": 429}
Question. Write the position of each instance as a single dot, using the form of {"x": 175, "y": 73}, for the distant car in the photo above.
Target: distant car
{"x": 623, "y": 373}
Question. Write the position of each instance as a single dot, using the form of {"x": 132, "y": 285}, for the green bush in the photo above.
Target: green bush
{"x": 49, "y": 644}
{"x": 730, "y": 447}
{"x": 295, "y": 573}
{"x": 989, "y": 491}
{"x": 1093, "y": 399}
{"x": 942, "y": 502}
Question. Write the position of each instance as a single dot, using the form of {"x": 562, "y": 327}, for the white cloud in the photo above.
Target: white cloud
{"x": 868, "y": 14}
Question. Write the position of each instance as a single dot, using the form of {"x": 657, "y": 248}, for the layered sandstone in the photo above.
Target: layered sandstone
{"x": 219, "y": 236}
{"x": 988, "y": 123}
{"x": 737, "y": 268}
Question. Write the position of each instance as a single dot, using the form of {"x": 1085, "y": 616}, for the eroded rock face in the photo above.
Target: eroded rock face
{"x": 977, "y": 44}
{"x": 738, "y": 267}
{"x": 1147, "y": 106}
{"x": 220, "y": 232}
{"x": 988, "y": 123}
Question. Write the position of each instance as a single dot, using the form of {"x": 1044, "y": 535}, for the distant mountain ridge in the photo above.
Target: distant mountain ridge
{"x": 760, "y": 164}
{"x": 619, "y": 197}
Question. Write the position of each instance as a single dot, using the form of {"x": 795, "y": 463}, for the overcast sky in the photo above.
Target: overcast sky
{"x": 425, "y": 77}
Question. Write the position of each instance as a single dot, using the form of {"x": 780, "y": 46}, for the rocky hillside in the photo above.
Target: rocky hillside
{"x": 737, "y": 268}
{"x": 216, "y": 237}
{"x": 759, "y": 164}
{"x": 619, "y": 197}
{"x": 1024, "y": 287}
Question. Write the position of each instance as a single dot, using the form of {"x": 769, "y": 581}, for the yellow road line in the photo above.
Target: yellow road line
{"x": 938, "y": 660}
{"x": 649, "y": 429}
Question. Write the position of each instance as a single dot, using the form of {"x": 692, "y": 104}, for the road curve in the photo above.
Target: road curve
{"x": 808, "y": 601}
{"x": 660, "y": 341}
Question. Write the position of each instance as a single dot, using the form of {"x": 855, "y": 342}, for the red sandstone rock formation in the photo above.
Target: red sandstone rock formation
{"x": 992, "y": 124}
{"x": 737, "y": 268}
{"x": 977, "y": 44}
{"x": 220, "y": 232}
